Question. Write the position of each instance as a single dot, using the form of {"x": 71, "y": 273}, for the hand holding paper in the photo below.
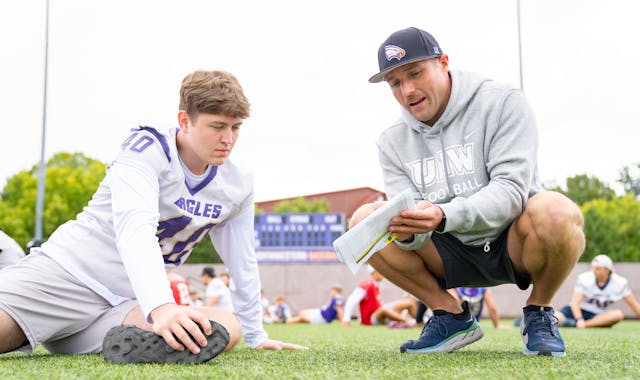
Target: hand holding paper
{"x": 370, "y": 235}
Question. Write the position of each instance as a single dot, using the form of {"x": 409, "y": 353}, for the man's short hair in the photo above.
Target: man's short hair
{"x": 209, "y": 271}
{"x": 214, "y": 92}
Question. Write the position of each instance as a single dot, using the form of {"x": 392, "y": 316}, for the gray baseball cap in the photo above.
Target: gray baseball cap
{"x": 403, "y": 47}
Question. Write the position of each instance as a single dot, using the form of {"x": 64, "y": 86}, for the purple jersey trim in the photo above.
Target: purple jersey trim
{"x": 475, "y": 297}
{"x": 605, "y": 284}
{"x": 205, "y": 182}
{"x": 165, "y": 146}
{"x": 329, "y": 312}
{"x": 161, "y": 139}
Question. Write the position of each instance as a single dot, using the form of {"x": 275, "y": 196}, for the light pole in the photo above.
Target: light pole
{"x": 520, "y": 47}
{"x": 37, "y": 236}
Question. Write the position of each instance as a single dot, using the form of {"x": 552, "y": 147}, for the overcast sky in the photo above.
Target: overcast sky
{"x": 304, "y": 67}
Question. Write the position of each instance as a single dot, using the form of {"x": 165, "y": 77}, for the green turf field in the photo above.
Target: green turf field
{"x": 360, "y": 352}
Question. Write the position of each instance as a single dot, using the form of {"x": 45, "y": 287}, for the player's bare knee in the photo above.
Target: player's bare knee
{"x": 556, "y": 219}
{"x": 617, "y": 315}
{"x": 228, "y": 320}
{"x": 361, "y": 213}
{"x": 136, "y": 317}
{"x": 235, "y": 333}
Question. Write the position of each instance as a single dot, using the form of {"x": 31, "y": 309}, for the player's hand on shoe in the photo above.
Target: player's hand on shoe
{"x": 179, "y": 326}
{"x": 277, "y": 345}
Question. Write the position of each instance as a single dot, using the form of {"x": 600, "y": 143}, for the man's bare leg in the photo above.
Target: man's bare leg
{"x": 606, "y": 319}
{"x": 11, "y": 335}
{"x": 545, "y": 242}
{"x": 412, "y": 271}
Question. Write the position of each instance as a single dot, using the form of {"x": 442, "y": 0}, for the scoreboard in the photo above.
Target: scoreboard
{"x": 306, "y": 230}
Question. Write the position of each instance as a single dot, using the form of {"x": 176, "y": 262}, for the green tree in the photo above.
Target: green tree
{"x": 204, "y": 253}
{"x": 582, "y": 188}
{"x": 629, "y": 177}
{"x": 71, "y": 180}
{"x": 612, "y": 227}
{"x": 301, "y": 205}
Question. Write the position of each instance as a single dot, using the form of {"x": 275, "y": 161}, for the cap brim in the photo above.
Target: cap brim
{"x": 379, "y": 77}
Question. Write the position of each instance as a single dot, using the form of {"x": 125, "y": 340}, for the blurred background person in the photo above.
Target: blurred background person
{"x": 280, "y": 311}
{"x": 594, "y": 294}
{"x": 477, "y": 298}
{"x": 325, "y": 314}
{"x": 196, "y": 300}
{"x": 367, "y": 300}
{"x": 10, "y": 251}
{"x": 217, "y": 293}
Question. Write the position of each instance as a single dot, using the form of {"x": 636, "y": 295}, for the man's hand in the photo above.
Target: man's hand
{"x": 278, "y": 345}
{"x": 175, "y": 323}
{"x": 424, "y": 218}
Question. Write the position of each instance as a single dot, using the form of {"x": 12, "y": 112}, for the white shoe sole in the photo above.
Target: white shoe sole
{"x": 456, "y": 341}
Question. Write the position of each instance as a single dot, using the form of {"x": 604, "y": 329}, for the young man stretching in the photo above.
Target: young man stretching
{"x": 161, "y": 195}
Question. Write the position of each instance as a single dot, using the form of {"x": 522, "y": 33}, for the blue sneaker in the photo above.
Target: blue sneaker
{"x": 445, "y": 332}
{"x": 540, "y": 332}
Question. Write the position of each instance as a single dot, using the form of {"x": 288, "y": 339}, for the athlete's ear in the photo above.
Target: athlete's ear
{"x": 183, "y": 119}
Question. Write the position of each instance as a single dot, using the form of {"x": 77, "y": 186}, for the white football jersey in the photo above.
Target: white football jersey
{"x": 598, "y": 299}
{"x": 10, "y": 251}
{"x": 217, "y": 288}
{"x": 144, "y": 218}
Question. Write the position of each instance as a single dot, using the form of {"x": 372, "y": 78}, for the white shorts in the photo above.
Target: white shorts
{"x": 55, "y": 309}
{"x": 315, "y": 317}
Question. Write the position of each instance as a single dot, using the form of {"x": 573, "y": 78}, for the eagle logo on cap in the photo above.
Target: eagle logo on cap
{"x": 393, "y": 51}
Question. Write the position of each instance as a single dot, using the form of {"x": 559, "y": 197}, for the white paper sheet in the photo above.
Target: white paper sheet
{"x": 357, "y": 245}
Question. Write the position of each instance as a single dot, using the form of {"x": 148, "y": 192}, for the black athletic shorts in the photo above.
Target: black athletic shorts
{"x": 476, "y": 266}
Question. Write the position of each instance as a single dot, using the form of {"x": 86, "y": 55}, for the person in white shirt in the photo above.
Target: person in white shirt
{"x": 280, "y": 310}
{"x": 266, "y": 306}
{"x": 594, "y": 294}
{"x": 217, "y": 293}
{"x": 104, "y": 273}
{"x": 10, "y": 251}
{"x": 196, "y": 301}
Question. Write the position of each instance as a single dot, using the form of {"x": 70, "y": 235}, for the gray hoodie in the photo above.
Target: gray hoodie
{"x": 489, "y": 170}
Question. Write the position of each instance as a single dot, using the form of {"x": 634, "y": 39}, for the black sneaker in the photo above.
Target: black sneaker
{"x": 445, "y": 332}
{"x": 540, "y": 332}
{"x": 130, "y": 344}
{"x": 517, "y": 322}
{"x": 569, "y": 322}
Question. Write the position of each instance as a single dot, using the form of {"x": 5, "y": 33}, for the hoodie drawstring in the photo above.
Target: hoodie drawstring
{"x": 422, "y": 149}
{"x": 444, "y": 161}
